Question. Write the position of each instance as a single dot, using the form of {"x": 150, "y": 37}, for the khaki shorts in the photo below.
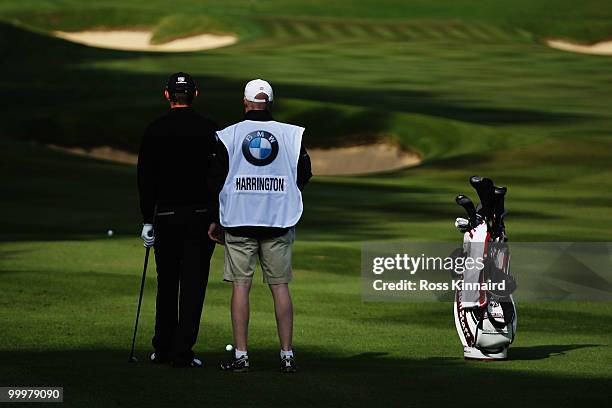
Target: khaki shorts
{"x": 274, "y": 255}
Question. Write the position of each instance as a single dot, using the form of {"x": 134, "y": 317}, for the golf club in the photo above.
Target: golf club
{"x": 133, "y": 358}
{"x": 468, "y": 205}
{"x": 486, "y": 193}
{"x": 499, "y": 212}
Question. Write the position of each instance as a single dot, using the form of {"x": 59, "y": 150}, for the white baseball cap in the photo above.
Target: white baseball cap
{"x": 255, "y": 87}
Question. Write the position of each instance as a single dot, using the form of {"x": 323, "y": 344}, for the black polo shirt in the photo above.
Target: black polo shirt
{"x": 174, "y": 162}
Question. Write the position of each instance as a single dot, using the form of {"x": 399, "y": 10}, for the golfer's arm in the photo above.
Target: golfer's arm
{"x": 219, "y": 167}
{"x": 147, "y": 178}
{"x": 304, "y": 168}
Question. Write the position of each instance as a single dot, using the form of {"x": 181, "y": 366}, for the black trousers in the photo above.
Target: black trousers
{"x": 182, "y": 254}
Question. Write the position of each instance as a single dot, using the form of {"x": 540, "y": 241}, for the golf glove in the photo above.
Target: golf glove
{"x": 148, "y": 235}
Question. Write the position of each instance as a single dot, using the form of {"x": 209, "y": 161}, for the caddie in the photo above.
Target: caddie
{"x": 263, "y": 167}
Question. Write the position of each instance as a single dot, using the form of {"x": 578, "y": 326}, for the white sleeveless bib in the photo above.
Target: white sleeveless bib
{"x": 261, "y": 188}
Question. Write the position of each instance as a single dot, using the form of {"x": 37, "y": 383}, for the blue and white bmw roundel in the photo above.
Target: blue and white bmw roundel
{"x": 260, "y": 148}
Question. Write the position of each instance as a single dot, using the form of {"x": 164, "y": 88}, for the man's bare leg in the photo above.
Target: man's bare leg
{"x": 240, "y": 314}
{"x": 283, "y": 308}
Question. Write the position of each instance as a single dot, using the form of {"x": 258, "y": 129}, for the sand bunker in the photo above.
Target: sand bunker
{"x": 140, "y": 41}
{"x": 367, "y": 159}
{"x": 104, "y": 153}
{"x": 600, "y": 48}
{"x": 376, "y": 158}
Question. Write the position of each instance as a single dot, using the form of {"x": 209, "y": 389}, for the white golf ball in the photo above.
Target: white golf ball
{"x": 229, "y": 347}
{"x": 110, "y": 232}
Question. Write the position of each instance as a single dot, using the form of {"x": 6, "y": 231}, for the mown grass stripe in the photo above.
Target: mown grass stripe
{"x": 278, "y": 29}
{"x": 381, "y": 31}
{"x": 407, "y": 31}
{"x": 345, "y": 29}
{"x": 495, "y": 32}
{"x": 477, "y": 33}
{"x": 457, "y": 31}
{"x": 396, "y": 30}
{"x": 357, "y": 30}
{"x": 330, "y": 30}
{"x": 427, "y": 31}
{"x": 305, "y": 29}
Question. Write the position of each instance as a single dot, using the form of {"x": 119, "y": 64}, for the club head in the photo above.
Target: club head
{"x": 498, "y": 205}
{"x": 463, "y": 201}
{"x": 486, "y": 193}
{"x": 462, "y": 225}
{"x": 132, "y": 360}
{"x": 468, "y": 205}
{"x": 477, "y": 181}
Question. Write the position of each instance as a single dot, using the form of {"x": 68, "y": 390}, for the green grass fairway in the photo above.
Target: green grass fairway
{"x": 469, "y": 85}
{"x": 69, "y": 295}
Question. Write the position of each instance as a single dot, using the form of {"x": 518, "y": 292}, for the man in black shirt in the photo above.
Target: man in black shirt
{"x": 177, "y": 201}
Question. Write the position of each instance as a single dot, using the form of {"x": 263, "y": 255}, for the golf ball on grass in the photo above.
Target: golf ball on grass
{"x": 229, "y": 347}
{"x": 110, "y": 233}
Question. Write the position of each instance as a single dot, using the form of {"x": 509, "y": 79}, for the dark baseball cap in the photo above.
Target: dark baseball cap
{"x": 181, "y": 82}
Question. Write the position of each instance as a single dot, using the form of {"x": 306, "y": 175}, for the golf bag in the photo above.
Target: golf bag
{"x": 484, "y": 310}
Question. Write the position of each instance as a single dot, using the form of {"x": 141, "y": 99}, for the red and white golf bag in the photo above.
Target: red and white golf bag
{"x": 485, "y": 318}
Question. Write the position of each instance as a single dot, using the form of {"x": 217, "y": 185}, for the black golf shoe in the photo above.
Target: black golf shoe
{"x": 159, "y": 358}
{"x": 287, "y": 365}
{"x": 194, "y": 363}
{"x": 236, "y": 365}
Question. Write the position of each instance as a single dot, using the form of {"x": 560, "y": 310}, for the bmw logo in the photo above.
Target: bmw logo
{"x": 260, "y": 148}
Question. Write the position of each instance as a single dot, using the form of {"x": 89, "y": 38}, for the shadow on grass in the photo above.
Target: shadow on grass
{"x": 545, "y": 351}
{"x": 103, "y": 378}
{"x": 427, "y": 103}
{"x": 55, "y": 196}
